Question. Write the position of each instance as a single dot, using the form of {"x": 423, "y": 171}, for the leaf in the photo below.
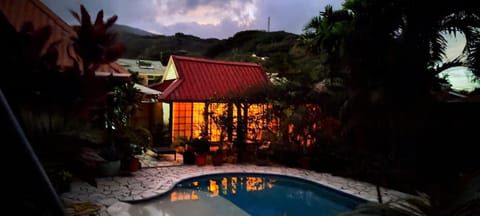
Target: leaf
{"x": 86, "y": 23}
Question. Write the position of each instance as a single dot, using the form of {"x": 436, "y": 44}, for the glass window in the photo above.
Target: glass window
{"x": 188, "y": 119}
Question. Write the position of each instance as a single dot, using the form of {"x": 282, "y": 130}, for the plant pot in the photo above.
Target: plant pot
{"x": 108, "y": 168}
{"x": 188, "y": 157}
{"x": 134, "y": 164}
{"x": 201, "y": 159}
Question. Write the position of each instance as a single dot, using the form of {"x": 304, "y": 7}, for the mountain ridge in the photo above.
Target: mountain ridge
{"x": 142, "y": 44}
{"x": 279, "y": 52}
{"x": 131, "y": 30}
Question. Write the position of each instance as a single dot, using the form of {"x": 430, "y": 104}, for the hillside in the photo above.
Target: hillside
{"x": 282, "y": 51}
{"x": 160, "y": 47}
{"x": 130, "y": 30}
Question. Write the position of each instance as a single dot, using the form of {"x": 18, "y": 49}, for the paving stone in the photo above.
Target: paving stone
{"x": 149, "y": 182}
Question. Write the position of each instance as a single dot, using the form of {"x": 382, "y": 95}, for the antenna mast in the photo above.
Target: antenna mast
{"x": 268, "y": 24}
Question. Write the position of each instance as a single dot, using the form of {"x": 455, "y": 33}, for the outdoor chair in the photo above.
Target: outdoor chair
{"x": 164, "y": 150}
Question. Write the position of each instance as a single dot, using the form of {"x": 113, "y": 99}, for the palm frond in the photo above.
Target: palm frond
{"x": 412, "y": 206}
{"x": 99, "y": 19}
{"x": 76, "y": 16}
{"x": 473, "y": 48}
{"x": 468, "y": 23}
{"x": 446, "y": 65}
{"x": 438, "y": 45}
{"x": 85, "y": 18}
{"x": 111, "y": 21}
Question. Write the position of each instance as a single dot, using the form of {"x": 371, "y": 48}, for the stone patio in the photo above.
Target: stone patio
{"x": 152, "y": 181}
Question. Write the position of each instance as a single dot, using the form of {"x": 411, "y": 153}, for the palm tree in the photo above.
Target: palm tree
{"x": 392, "y": 52}
{"x": 324, "y": 34}
{"x": 404, "y": 44}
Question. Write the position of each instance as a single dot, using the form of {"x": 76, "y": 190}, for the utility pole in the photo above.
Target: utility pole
{"x": 268, "y": 24}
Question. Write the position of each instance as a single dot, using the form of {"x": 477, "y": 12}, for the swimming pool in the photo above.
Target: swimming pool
{"x": 247, "y": 194}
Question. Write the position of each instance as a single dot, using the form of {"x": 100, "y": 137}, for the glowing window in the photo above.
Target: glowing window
{"x": 216, "y": 110}
{"x": 188, "y": 119}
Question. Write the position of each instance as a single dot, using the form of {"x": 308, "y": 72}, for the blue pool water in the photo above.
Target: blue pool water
{"x": 248, "y": 194}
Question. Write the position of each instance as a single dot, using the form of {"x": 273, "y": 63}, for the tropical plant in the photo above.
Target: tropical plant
{"x": 124, "y": 104}
{"x": 459, "y": 202}
{"x": 94, "y": 42}
{"x": 390, "y": 53}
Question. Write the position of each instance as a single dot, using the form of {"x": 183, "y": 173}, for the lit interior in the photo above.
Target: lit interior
{"x": 189, "y": 120}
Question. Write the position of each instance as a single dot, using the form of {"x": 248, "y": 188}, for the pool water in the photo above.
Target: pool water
{"x": 247, "y": 194}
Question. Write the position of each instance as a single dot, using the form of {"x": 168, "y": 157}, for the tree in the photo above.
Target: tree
{"x": 390, "y": 53}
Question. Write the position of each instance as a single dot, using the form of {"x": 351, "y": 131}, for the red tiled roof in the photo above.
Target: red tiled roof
{"x": 201, "y": 79}
{"x": 161, "y": 86}
{"x": 19, "y": 12}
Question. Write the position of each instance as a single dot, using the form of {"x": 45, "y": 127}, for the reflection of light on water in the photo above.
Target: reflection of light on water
{"x": 213, "y": 187}
{"x": 227, "y": 185}
{"x": 254, "y": 184}
{"x": 183, "y": 195}
{"x": 194, "y": 196}
{"x": 234, "y": 185}
{"x": 270, "y": 183}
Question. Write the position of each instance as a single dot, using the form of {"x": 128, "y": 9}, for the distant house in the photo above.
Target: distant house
{"x": 188, "y": 86}
{"x": 149, "y": 71}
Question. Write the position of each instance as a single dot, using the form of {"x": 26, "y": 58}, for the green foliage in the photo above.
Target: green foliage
{"x": 183, "y": 141}
{"x": 124, "y": 104}
{"x": 197, "y": 145}
{"x": 461, "y": 202}
{"x": 160, "y": 47}
{"x": 410, "y": 206}
{"x": 387, "y": 55}
{"x": 60, "y": 179}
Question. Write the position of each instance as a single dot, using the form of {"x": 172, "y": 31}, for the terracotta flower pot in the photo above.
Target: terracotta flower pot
{"x": 134, "y": 164}
{"x": 201, "y": 159}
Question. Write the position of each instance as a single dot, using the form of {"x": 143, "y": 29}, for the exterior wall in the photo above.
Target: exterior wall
{"x": 149, "y": 115}
{"x": 170, "y": 72}
{"x": 19, "y": 12}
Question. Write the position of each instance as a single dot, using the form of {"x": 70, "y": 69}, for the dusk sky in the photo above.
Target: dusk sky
{"x": 202, "y": 18}
{"x": 223, "y": 18}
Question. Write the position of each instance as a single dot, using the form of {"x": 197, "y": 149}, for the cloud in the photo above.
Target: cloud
{"x": 203, "y": 18}
{"x": 203, "y": 12}
{"x": 225, "y": 29}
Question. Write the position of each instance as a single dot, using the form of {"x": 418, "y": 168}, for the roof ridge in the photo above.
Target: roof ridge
{"x": 54, "y": 17}
{"x": 213, "y": 61}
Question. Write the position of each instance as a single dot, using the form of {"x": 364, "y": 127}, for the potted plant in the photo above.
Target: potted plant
{"x": 110, "y": 166}
{"x": 112, "y": 154}
{"x": 187, "y": 148}
{"x": 60, "y": 178}
{"x": 136, "y": 140}
{"x": 201, "y": 147}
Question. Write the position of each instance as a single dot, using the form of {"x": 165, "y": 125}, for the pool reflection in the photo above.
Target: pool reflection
{"x": 225, "y": 186}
